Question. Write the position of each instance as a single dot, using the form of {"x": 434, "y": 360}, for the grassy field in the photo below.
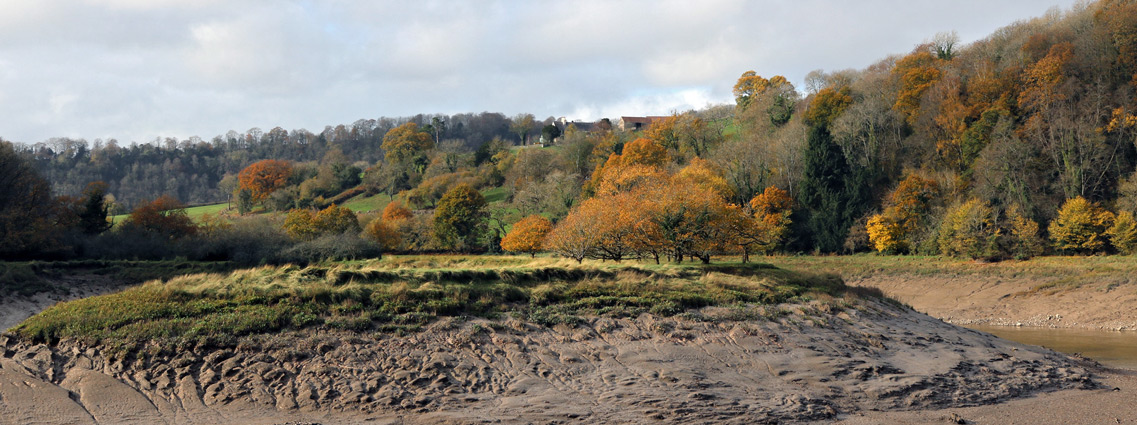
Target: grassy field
{"x": 401, "y": 294}
{"x": 364, "y": 203}
{"x": 193, "y": 212}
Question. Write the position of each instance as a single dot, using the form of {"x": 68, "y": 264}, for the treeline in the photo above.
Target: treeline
{"x": 1019, "y": 144}
{"x": 192, "y": 169}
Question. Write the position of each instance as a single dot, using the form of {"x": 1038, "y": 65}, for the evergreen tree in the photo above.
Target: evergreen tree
{"x": 832, "y": 195}
{"x": 93, "y": 216}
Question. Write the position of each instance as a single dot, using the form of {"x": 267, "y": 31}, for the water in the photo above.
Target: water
{"x": 1112, "y": 348}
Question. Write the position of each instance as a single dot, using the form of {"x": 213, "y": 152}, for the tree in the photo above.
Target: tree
{"x": 772, "y": 210}
{"x": 527, "y": 235}
{"x": 406, "y": 146}
{"x": 1080, "y": 226}
{"x": 262, "y": 178}
{"x": 830, "y": 193}
{"x": 395, "y": 211}
{"x": 917, "y": 73}
{"x": 27, "y": 208}
{"x": 550, "y": 133}
{"x": 706, "y": 175}
{"x": 970, "y": 230}
{"x": 93, "y": 215}
{"x": 576, "y": 236}
{"x": 460, "y": 217}
{"x": 1123, "y": 233}
{"x": 165, "y": 216}
{"x": 907, "y": 209}
{"x": 384, "y": 234}
{"x": 303, "y": 224}
{"x": 1022, "y": 234}
{"x": 522, "y": 125}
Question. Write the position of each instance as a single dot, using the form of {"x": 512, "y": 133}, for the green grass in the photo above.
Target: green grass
{"x": 364, "y": 203}
{"x": 497, "y": 194}
{"x": 194, "y": 213}
{"x": 399, "y": 293}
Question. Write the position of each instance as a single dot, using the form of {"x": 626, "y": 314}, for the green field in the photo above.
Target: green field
{"x": 364, "y": 203}
{"x": 194, "y": 213}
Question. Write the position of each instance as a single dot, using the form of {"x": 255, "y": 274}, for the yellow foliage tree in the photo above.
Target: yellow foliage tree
{"x": 1123, "y": 233}
{"x": 907, "y": 209}
{"x": 304, "y": 224}
{"x": 1080, "y": 226}
{"x": 1024, "y": 241}
{"x": 527, "y": 235}
{"x": 703, "y": 174}
{"x": 969, "y": 230}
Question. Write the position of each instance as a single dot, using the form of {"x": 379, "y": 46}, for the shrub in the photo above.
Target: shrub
{"x": 969, "y": 230}
{"x": 1080, "y": 226}
{"x": 343, "y": 246}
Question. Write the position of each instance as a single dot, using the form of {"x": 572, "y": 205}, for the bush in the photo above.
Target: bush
{"x": 1080, "y": 227}
{"x": 338, "y": 247}
{"x": 969, "y": 230}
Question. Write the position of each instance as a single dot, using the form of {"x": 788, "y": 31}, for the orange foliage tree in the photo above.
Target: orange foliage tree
{"x": 262, "y": 178}
{"x": 395, "y": 211}
{"x": 527, "y": 235}
{"x": 917, "y": 73}
{"x": 383, "y": 234}
{"x": 164, "y": 216}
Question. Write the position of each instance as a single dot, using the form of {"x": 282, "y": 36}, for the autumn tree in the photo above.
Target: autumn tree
{"x": 576, "y": 236}
{"x": 527, "y": 235}
{"x": 460, "y": 217}
{"x": 1023, "y": 241}
{"x": 395, "y": 211}
{"x": 772, "y": 210}
{"x": 916, "y": 73}
{"x": 305, "y": 224}
{"x": 1123, "y": 233}
{"x": 384, "y": 234}
{"x": 262, "y": 178}
{"x": 165, "y": 216}
{"x": 406, "y": 146}
{"x": 905, "y": 213}
{"x": 970, "y": 230}
{"x": 1080, "y": 226}
{"x": 704, "y": 174}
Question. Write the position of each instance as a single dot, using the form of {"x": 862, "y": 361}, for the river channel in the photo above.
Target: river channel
{"x": 1111, "y": 348}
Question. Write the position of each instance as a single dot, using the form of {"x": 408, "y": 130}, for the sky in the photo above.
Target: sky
{"x": 137, "y": 70}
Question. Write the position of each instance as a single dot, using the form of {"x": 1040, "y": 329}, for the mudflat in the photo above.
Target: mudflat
{"x": 809, "y": 365}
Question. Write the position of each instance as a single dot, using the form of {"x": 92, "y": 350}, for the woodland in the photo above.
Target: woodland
{"x": 1020, "y": 144}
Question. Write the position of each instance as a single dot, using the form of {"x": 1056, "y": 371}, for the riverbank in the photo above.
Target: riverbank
{"x": 1055, "y": 292}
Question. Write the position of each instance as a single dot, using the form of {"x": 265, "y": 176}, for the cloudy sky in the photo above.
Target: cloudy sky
{"x": 134, "y": 70}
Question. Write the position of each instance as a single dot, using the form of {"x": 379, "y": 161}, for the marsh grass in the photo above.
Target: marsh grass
{"x": 29, "y": 277}
{"x": 403, "y": 294}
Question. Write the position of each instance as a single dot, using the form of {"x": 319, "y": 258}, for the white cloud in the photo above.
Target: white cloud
{"x": 137, "y": 69}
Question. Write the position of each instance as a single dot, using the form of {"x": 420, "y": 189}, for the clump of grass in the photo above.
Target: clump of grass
{"x": 406, "y": 294}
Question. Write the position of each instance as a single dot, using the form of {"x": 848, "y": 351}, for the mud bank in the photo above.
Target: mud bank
{"x": 810, "y": 364}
